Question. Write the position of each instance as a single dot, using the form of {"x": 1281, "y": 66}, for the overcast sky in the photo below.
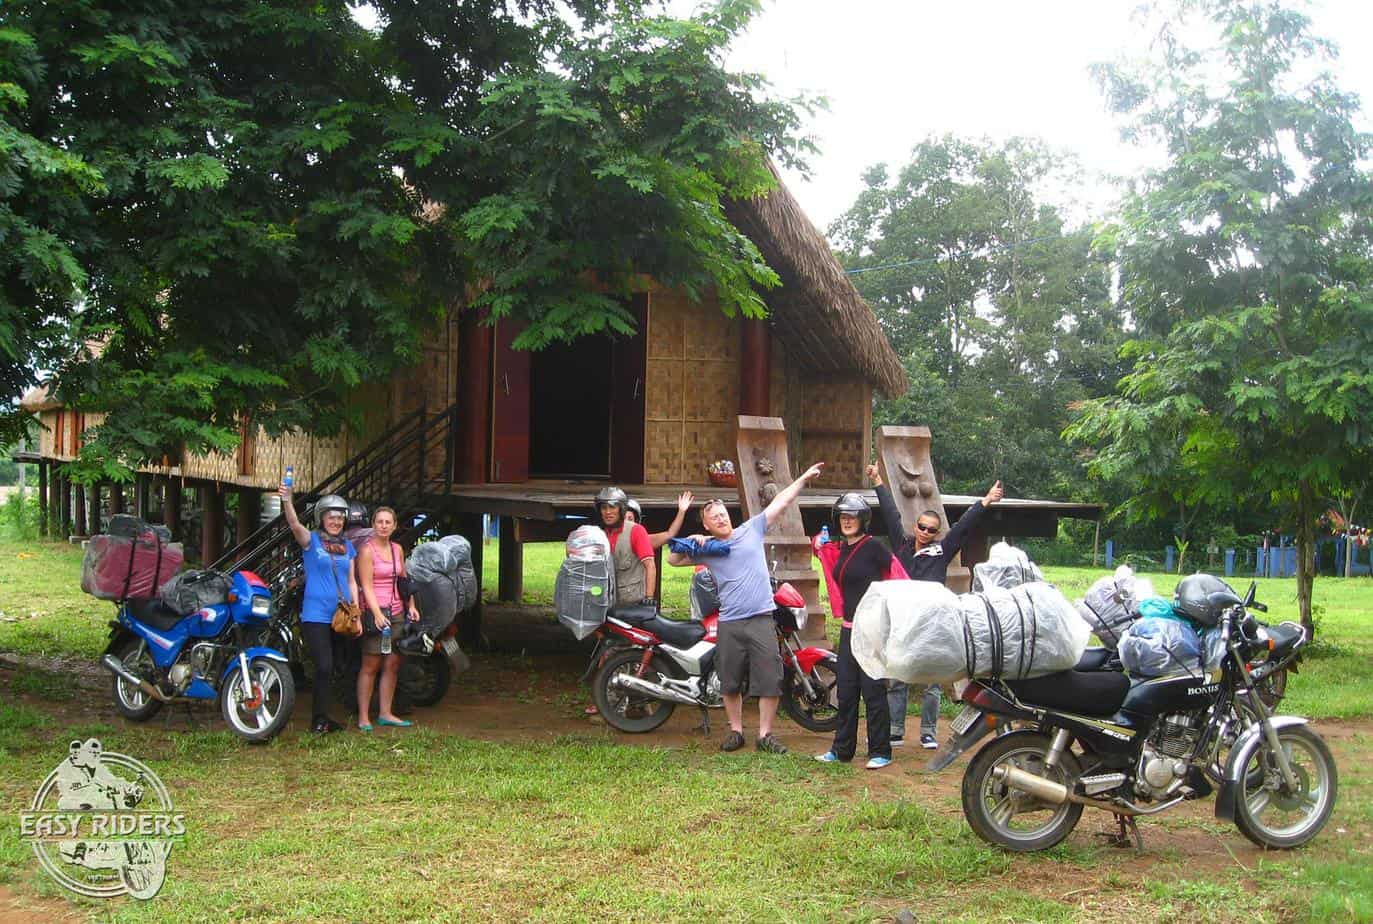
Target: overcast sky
{"x": 898, "y": 71}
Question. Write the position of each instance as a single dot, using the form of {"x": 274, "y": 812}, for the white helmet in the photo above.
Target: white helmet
{"x": 329, "y": 503}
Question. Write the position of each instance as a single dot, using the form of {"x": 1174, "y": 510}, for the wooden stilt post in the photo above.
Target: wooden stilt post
{"x": 469, "y": 624}
{"x": 79, "y": 519}
{"x": 44, "y": 501}
{"x": 211, "y": 523}
{"x": 1096, "y": 542}
{"x": 249, "y": 511}
{"x": 510, "y": 584}
{"x": 142, "y": 495}
{"x": 64, "y": 505}
{"x": 755, "y": 367}
{"x": 171, "y": 506}
{"x": 94, "y": 525}
{"x": 116, "y": 498}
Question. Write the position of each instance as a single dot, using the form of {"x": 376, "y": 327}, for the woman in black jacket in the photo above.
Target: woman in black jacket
{"x": 925, "y": 556}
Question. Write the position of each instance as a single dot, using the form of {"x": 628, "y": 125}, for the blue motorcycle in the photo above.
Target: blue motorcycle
{"x": 160, "y": 656}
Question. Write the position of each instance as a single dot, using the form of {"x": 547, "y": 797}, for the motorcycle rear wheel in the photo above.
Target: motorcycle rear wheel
{"x": 625, "y": 711}
{"x": 424, "y": 680}
{"x": 992, "y": 807}
{"x": 132, "y": 702}
{"x": 1279, "y": 821}
{"x": 820, "y": 711}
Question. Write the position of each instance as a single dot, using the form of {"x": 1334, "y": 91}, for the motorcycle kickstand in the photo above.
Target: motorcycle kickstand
{"x": 705, "y": 722}
{"x": 1126, "y": 834}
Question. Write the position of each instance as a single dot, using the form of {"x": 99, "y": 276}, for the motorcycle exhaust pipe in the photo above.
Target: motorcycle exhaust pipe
{"x": 1047, "y": 790}
{"x": 649, "y": 688}
{"x": 117, "y": 668}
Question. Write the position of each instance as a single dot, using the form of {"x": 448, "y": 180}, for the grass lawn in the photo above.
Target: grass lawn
{"x": 469, "y": 817}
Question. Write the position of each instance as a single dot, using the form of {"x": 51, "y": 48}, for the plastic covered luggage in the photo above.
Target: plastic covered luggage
{"x": 1006, "y": 567}
{"x": 1111, "y": 604}
{"x": 444, "y": 579}
{"x": 704, "y": 595}
{"x": 132, "y": 561}
{"x": 922, "y": 632}
{"x": 190, "y": 591}
{"x": 1156, "y": 647}
{"x": 585, "y": 587}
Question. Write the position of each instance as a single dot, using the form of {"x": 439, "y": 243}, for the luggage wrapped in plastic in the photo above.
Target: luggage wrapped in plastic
{"x": 704, "y": 595}
{"x": 1007, "y": 567}
{"x": 445, "y": 581}
{"x": 1155, "y": 647}
{"x": 921, "y": 632}
{"x": 190, "y": 591}
{"x": 132, "y": 562}
{"x": 1111, "y": 604}
{"x": 585, "y": 586}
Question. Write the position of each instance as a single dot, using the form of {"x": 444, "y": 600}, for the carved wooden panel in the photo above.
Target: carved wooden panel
{"x": 904, "y": 457}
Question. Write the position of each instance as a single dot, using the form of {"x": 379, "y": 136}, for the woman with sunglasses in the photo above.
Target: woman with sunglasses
{"x": 926, "y": 557}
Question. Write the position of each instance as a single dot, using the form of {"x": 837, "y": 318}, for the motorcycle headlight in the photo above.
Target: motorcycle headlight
{"x": 262, "y": 605}
{"x": 799, "y": 614}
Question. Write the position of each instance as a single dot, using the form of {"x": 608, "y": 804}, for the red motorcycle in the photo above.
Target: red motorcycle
{"x": 646, "y": 665}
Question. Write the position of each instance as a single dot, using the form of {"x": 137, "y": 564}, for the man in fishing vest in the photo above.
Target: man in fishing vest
{"x": 636, "y": 572}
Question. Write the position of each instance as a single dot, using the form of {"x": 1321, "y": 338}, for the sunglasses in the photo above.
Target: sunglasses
{"x": 926, "y": 529}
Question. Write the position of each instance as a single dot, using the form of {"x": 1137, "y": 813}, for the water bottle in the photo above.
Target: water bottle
{"x": 386, "y": 639}
{"x": 289, "y": 479}
{"x": 824, "y": 535}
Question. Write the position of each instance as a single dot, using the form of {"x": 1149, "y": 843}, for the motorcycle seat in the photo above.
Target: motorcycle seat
{"x": 634, "y": 614}
{"x": 675, "y": 632}
{"x": 153, "y": 612}
{"x": 1098, "y": 659}
{"x": 1285, "y": 637}
{"x": 1083, "y": 692}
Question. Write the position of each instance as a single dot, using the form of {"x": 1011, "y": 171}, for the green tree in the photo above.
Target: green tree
{"x": 1245, "y": 263}
{"x": 263, "y": 205}
{"x": 1002, "y": 312}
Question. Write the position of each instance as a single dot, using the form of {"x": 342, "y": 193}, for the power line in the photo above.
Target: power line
{"x": 980, "y": 251}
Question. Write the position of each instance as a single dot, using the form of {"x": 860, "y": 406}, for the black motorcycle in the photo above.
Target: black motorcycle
{"x": 1094, "y": 738}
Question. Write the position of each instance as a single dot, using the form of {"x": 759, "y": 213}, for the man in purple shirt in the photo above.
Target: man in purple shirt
{"x": 747, "y": 649}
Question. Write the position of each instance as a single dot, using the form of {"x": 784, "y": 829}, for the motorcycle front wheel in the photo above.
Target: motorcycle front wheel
{"x": 1011, "y": 818}
{"x": 623, "y": 710}
{"x": 817, "y": 711}
{"x": 1272, "y": 818}
{"x": 132, "y": 702}
{"x": 259, "y": 708}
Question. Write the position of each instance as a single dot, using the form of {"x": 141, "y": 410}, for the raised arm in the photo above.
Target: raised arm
{"x": 891, "y": 514}
{"x": 787, "y": 495}
{"x": 288, "y": 510}
{"x": 953, "y": 540}
{"x": 683, "y": 505}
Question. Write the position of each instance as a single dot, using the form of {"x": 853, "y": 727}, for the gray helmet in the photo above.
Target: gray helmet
{"x": 633, "y": 506}
{"x": 613, "y": 496}
{"x": 853, "y": 504}
{"x": 330, "y": 503}
{"x": 1202, "y": 597}
{"x": 357, "y": 514}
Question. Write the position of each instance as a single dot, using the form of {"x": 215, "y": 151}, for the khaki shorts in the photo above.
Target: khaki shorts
{"x": 747, "y": 650}
{"x": 371, "y": 644}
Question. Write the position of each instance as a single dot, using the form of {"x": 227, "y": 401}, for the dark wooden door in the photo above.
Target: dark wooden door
{"x": 509, "y": 408}
{"x": 629, "y": 360}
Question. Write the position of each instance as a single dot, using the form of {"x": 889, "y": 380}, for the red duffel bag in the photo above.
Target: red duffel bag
{"x": 131, "y": 565}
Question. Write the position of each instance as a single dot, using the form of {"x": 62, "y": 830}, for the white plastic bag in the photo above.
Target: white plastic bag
{"x": 585, "y": 586}
{"x": 1111, "y": 604}
{"x": 1006, "y": 566}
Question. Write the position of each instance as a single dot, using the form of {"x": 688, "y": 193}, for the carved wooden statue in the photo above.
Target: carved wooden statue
{"x": 903, "y": 453}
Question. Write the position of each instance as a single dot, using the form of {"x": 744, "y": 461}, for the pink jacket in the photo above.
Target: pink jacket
{"x": 828, "y": 555}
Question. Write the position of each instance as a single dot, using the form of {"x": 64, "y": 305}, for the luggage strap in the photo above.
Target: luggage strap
{"x": 133, "y": 553}
{"x": 998, "y": 642}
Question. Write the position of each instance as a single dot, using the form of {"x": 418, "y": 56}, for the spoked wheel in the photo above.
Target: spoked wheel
{"x": 1269, "y": 815}
{"x": 1009, "y": 817}
{"x": 623, "y": 709}
{"x": 817, "y": 710}
{"x": 259, "y": 708}
{"x": 130, "y": 699}
{"x": 1272, "y": 688}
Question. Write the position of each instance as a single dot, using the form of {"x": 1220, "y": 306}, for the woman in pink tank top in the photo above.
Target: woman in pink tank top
{"x": 381, "y": 565}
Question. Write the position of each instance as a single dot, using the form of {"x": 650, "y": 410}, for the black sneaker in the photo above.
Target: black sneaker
{"x": 325, "y": 725}
{"x": 898, "y": 741}
{"x": 733, "y": 741}
{"x": 770, "y": 745}
{"x": 928, "y": 743}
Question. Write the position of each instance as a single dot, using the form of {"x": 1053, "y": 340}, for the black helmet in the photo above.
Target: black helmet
{"x": 357, "y": 514}
{"x": 613, "y": 496}
{"x": 1202, "y": 597}
{"x": 853, "y": 504}
{"x": 633, "y": 506}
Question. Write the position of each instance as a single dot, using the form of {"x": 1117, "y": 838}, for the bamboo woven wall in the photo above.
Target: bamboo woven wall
{"x": 691, "y": 402}
{"x": 836, "y": 428}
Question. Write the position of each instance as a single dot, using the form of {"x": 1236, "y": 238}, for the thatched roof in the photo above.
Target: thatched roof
{"x": 38, "y": 399}
{"x": 816, "y": 312}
